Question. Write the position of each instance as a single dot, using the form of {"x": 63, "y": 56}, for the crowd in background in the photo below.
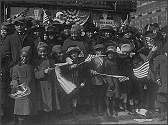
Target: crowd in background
{"x": 31, "y": 50}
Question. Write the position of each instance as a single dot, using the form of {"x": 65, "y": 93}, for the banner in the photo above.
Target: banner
{"x": 71, "y": 16}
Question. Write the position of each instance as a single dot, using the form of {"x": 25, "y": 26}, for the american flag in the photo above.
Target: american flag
{"x": 122, "y": 79}
{"x": 90, "y": 57}
{"x": 142, "y": 71}
{"x": 117, "y": 20}
{"x": 22, "y": 14}
{"x": 45, "y": 18}
{"x": 67, "y": 85}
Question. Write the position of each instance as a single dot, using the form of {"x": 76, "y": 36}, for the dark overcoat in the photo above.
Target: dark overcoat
{"x": 160, "y": 68}
{"x": 13, "y": 45}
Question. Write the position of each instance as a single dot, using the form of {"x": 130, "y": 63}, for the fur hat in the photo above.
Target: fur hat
{"x": 6, "y": 25}
{"x": 90, "y": 27}
{"x": 73, "y": 48}
{"x": 26, "y": 49}
{"x": 77, "y": 28}
{"x": 42, "y": 45}
{"x": 107, "y": 28}
{"x": 126, "y": 47}
{"x": 98, "y": 46}
{"x": 19, "y": 20}
{"x": 57, "y": 48}
{"x": 111, "y": 49}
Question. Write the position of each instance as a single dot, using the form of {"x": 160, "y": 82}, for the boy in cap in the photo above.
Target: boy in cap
{"x": 45, "y": 78}
{"x": 107, "y": 36}
{"x": 98, "y": 84}
{"x": 111, "y": 68}
{"x": 23, "y": 72}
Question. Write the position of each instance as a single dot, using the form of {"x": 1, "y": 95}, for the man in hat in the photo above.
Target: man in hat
{"x": 6, "y": 29}
{"x": 53, "y": 35}
{"x": 66, "y": 32}
{"x": 108, "y": 36}
{"x": 13, "y": 43}
{"x": 37, "y": 34}
{"x": 152, "y": 50}
{"x": 91, "y": 34}
{"x": 77, "y": 39}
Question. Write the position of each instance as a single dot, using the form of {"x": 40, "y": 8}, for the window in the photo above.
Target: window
{"x": 159, "y": 20}
{"x": 150, "y": 20}
{"x": 140, "y": 22}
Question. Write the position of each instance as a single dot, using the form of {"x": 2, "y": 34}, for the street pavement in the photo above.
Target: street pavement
{"x": 122, "y": 118}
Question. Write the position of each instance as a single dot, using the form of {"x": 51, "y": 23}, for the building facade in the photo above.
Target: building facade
{"x": 149, "y": 12}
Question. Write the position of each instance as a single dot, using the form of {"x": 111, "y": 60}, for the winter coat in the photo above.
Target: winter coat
{"x": 26, "y": 105}
{"x": 97, "y": 66}
{"x": 160, "y": 68}
{"x": 111, "y": 68}
{"x": 13, "y": 45}
{"x": 80, "y": 43}
{"x": 46, "y": 86}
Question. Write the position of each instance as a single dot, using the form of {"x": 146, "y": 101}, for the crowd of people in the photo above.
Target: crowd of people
{"x": 105, "y": 84}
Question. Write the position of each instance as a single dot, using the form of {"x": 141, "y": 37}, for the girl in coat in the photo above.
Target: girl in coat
{"x": 45, "y": 78}
{"x": 23, "y": 73}
{"x": 73, "y": 72}
{"x": 112, "y": 94}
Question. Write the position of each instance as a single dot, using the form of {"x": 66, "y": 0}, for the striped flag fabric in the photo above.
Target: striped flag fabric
{"x": 122, "y": 79}
{"x": 45, "y": 18}
{"x": 90, "y": 57}
{"x": 68, "y": 86}
{"x": 142, "y": 71}
{"x": 22, "y": 14}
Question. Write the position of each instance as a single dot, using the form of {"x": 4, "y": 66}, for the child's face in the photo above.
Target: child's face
{"x": 110, "y": 55}
{"x": 25, "y": 57}
{"x": 74, "y": 55}
{"x": 99, "y": 52}
{"x": 42, "y": 52}
{"x": 59, "y": 55}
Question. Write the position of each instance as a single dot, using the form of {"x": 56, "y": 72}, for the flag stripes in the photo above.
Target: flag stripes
{"x": 122, "y": 79}
{"x": 45, "y": 18}
{"x": 90, "y": 57}
{"x": 142, "y": 71}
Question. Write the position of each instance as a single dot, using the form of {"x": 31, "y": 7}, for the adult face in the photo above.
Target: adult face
{"x": 89, "y": 34}
{"x": 67, "y": 31}
{"x": 150, "y": 42}
{"x": 25, "y": 57}
{"x": 20, "y": 27}
{"x": 36, "y": 34}
{"x": 3, "y": 33}
{"x": 45, "y": 37}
